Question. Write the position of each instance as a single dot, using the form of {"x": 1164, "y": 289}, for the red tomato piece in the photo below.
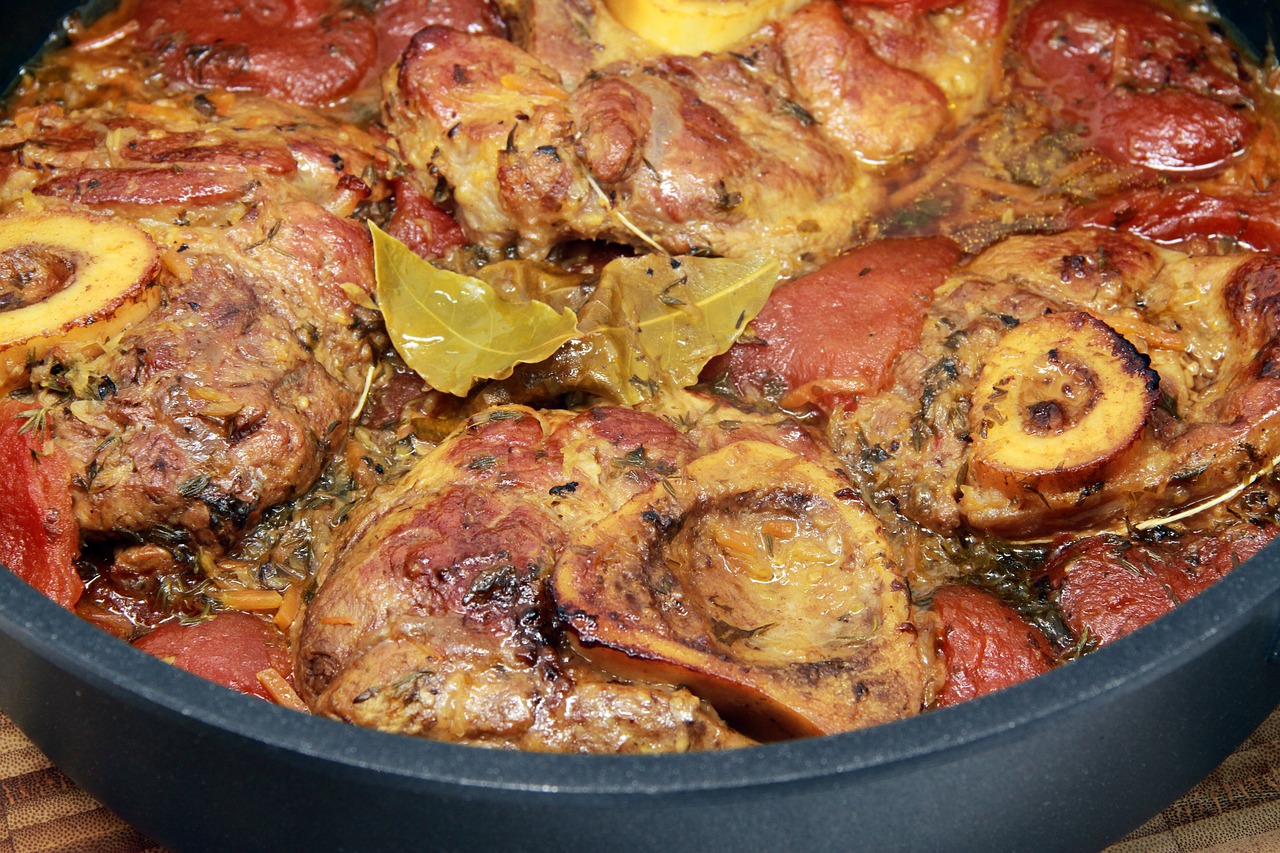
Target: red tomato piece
{"x": 1169, "y": 131}
{"x": 1074, "y": 43}
{"x": 305, "y": 51}
{"x": 39, "y": 539}
{"x": 1179, "y": 213}
{"x": 986, "y": 644}
{"x": 847, "y": 321}
{"x": 1110, "y": 587}
{"x": 230, "y": 649}
{"x": 1141, "y": 80}
{"x": 421, "y": 225}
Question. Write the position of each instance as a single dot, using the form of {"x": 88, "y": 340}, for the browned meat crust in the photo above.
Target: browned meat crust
{"x": 1217, "y": 421}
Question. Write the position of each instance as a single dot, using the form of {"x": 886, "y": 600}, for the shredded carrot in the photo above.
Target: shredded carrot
{"x": 337, "y": 620}
{"x": 778, "y": 528}
{"x": 280, "y": 690}
{"x": 532, "y": 86}
{"x": 111, "y": 37}
{"x": 290, "y": 603}
{"x": 176, "y": 264}
{"x": 1134, "y": 327}
{"x": 820, "y": 389}
{"x": 250, "y": 599}
{"x": 222, "y": 100}
{"x": 158, "y": 110}
{"x": 26, "y": 117}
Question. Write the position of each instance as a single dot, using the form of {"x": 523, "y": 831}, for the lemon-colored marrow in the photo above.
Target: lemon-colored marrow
{"x": 1059, "y": 398}
{"x": 112, "y": 265}
{"x": 697, "y": 26}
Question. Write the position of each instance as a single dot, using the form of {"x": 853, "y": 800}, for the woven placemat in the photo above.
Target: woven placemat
{"x": 1235, "y": 810}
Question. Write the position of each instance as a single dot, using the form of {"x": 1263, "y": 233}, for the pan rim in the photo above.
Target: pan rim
{"x": 139, "y": 681}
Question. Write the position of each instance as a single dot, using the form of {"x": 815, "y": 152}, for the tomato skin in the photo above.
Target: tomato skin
{"x": 1110, "y": 587}
{"x": 39, "y": 539}
{"x": 1141, "y": 82}
{"x": 306, "y": 51}
{"x": 1170, "y": 131}
{"x": 848, "y": 320}
{"x": 985, "y": 643}
{"x": 1179, "y": 213}
{"x": 229, "y": 649}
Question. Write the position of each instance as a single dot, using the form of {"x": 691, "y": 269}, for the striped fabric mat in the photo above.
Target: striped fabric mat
{"x": 1235, "y": 810}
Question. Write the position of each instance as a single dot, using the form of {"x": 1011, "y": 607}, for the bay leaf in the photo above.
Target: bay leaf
{"x": 654, "y": 321}
{"x": 454, "y": 329}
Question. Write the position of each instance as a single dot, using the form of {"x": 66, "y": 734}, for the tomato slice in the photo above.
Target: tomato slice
{"x": 1153, "y": 91}
{"x": 986, "y": 644}
{"x": 39, "y": 539}
{"x": 1179, "y": 213}
{"x": 846, "y": 322}
{"x": 1168, "y": 131}
{"x": 1109, "y": 587}
{"x": 305, "y": 51}
{"x": 229, "y": 649}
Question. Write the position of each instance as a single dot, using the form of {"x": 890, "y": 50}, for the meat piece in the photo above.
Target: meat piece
{"x": 435, "y": 615}
{"x": 228, "y": 398}
{"x": 977, "y": 18}
{"x": 215, "y": 411}
{"x": 396, "y": 22}
{"x": 876, "y": 112}
{"x": 432, "y": 616}
{"x": 451, "y": 108}
{"x": 733, "y": 153}
{"x": 752, "y": 577}
{"x": 422, "y": 225}
{"x": 574, "y": 37}
{"x": 1211, "y": 431}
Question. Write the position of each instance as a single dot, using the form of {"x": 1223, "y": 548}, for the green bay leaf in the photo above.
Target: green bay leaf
{"x": 655, "y": 321}
{"x": 453, "y": 329}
